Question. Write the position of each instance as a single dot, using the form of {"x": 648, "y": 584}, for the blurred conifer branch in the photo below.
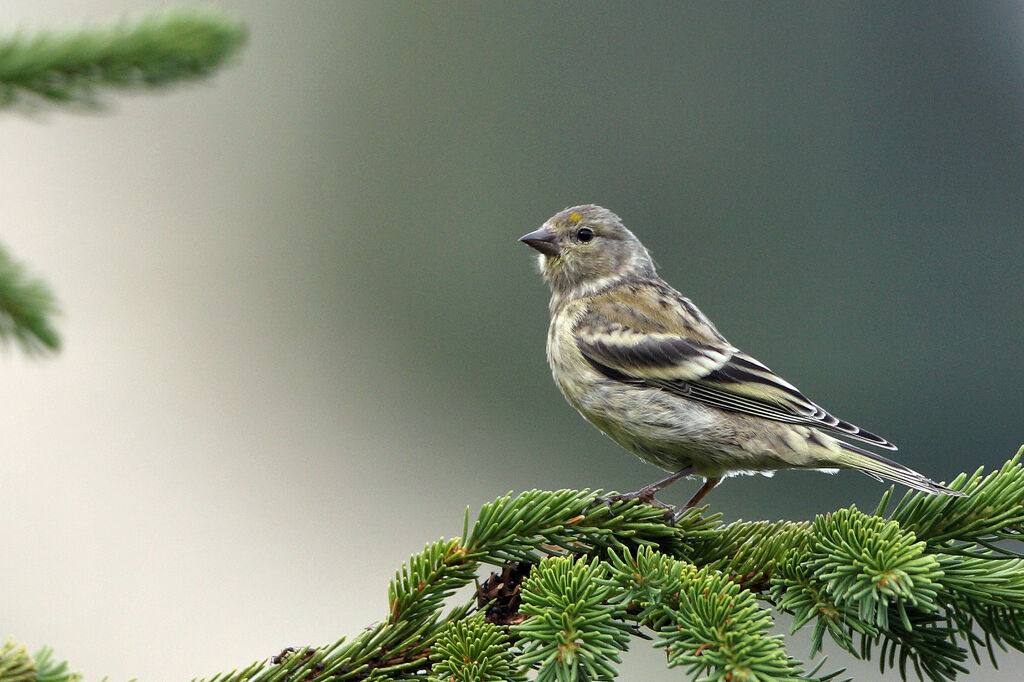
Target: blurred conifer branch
{"x": 27, "y": 308}
{"x": 71, "y": 67}
{"x": 577, "y": 582}
{"x": 18, "y": 665}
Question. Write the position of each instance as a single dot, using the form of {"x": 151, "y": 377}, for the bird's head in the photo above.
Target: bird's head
{"x": 583, "y": 248}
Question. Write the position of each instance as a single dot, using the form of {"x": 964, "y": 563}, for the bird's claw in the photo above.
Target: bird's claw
{"x": 646, "y": 498}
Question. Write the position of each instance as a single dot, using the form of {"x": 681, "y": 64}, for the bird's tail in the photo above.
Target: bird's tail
{"x": 879, "y": 467}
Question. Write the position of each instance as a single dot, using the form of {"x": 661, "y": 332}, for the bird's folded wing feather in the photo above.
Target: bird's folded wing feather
{"x": 706, "y": 369}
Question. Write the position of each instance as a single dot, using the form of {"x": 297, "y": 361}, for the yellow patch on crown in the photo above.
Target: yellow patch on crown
{"x": 575, "y": 217}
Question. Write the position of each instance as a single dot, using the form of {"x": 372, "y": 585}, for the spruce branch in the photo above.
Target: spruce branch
{"x": 578, "y": 582}
{"x": 705, "y": 621}
{"x": 918, "y": 593}
{"x": 27, "y": 308}
{"x": 71, "y": 67}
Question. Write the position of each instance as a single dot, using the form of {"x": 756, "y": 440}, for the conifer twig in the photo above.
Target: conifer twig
{"x": 70, "y": 67}
{"x": 27, "y": 308}
{"x": 18, "y": 665}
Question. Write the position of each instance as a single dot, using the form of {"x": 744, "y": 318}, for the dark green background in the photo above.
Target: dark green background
{"x": 840, "y": 189}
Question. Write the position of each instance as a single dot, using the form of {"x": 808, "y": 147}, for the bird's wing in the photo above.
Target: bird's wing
{"x": 708, "y": 369}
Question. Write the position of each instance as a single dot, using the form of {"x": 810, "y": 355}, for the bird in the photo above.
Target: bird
{"x": 644, "y": 365}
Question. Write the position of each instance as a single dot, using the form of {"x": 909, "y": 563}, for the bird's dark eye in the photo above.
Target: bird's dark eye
{"x": 585, "y": 235}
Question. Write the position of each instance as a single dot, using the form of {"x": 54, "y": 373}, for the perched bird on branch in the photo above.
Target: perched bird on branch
{"x": 644, "y": 365}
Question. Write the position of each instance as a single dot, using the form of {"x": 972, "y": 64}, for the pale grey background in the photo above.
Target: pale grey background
{"x": 301, "y": 337}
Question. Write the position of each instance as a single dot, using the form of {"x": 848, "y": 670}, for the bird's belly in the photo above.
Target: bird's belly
{"x": 672, "y": 432}
{"x": 661, "y": 429}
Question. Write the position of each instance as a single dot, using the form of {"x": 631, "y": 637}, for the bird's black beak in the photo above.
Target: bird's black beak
{"x": 543, "y": 240}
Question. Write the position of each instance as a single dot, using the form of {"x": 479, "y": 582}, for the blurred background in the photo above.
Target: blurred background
{"x": 301, "y": 337}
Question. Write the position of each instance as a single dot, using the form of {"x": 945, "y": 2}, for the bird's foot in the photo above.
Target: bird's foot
{"x": 678, "y": 514}
{"x": 647, "y": 497}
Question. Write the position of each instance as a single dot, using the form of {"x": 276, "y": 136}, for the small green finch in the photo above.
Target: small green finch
{"x": 645, "y": 366}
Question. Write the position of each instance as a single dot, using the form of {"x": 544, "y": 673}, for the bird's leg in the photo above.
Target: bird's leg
{"x": 647, "y": 493}
{"x": 709, "y": 484}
